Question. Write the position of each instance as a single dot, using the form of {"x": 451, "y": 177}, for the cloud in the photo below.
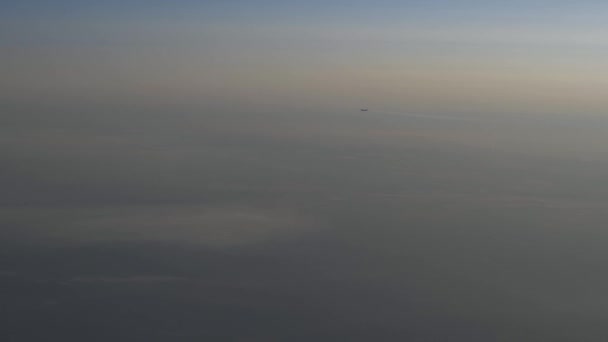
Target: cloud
{"x": 209, "y": 226}
{"x": 142, "y": 279}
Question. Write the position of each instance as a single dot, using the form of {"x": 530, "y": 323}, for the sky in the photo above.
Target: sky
{"x": 425, "y": 56}
{"x": 201, "y": 170}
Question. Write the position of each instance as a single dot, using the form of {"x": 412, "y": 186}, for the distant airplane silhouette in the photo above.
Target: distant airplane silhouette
{"x": 364, "y": 109}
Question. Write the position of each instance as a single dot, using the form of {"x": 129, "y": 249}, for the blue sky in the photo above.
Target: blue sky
{"x": 382, "y": 10}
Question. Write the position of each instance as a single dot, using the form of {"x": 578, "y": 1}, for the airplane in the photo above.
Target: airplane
{"x": 364, "y": 109}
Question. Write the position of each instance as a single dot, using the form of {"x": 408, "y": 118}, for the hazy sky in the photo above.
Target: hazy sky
{"x": 430, "y": 56}
{"x": 201, "y": 171}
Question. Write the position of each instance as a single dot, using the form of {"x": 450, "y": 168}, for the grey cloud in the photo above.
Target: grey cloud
{"x": 270, "y": 226}
{"x": 223, "y": 226}
{"x": 134, "y": 279}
